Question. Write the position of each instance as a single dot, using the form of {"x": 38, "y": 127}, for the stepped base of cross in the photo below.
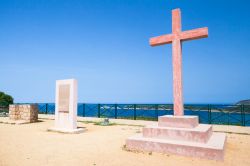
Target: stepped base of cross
{"x": 181, "y": 135}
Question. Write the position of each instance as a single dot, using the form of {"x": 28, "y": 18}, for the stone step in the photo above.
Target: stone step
{"x": 201, "y": 133}
{"x": 213, "y": 149}
{"x": 178, "y": 121}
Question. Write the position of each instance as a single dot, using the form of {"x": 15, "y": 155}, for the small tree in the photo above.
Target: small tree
{"x": 5, "y": 99}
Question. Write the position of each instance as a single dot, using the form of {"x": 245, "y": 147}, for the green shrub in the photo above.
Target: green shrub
{"x": 5, "y": 99}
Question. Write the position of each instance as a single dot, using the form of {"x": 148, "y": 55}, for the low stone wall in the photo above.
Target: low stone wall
{"x": 27, "y": 112}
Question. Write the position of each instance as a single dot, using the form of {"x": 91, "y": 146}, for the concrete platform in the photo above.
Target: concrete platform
{"x": 181, "y": 135}
{"x": 200, "y": 133}
{"x": 66, "y": 131}
{"x": 178, "y": 121}
{"x": 213, "y": 149}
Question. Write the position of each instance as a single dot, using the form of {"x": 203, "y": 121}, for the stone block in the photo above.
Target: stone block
{"x": 27, "y": 112}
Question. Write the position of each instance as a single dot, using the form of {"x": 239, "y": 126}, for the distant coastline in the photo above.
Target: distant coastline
{"x": 245, "y": 102}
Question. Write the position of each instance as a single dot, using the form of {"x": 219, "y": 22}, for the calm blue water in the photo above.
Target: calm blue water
{"x": 219, "y": 114}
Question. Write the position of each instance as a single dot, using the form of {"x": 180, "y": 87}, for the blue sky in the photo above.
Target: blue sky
{"x": 104, "y": 44}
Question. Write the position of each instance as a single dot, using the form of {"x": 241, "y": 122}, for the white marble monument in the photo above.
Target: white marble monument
{"x": 66, "y": 107}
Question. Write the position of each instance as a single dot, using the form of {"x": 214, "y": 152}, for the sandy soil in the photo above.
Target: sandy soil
{"x": 31, "y": 144}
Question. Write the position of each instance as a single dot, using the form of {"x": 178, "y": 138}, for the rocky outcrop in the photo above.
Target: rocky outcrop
{"x": 245, "y": 102}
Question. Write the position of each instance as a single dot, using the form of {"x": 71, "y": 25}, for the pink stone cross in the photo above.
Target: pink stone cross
{"x": 176, "y": 39}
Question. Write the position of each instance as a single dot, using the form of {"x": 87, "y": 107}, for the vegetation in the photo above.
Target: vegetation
{"x": 101, "y": 124}
{"x": 5, "y": 99}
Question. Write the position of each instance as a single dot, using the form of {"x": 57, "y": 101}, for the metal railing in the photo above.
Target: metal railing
{"x": 207, "y": 113}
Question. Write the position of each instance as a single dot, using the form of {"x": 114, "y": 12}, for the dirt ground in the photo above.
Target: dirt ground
{"x": 33, "y": 145}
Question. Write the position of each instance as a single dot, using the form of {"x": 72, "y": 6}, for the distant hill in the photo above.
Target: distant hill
{"x": 246, "y": 102}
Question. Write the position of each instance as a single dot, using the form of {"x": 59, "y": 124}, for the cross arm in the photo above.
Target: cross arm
{"x": 160, "y": 40}
{"x": 194, "y": 34}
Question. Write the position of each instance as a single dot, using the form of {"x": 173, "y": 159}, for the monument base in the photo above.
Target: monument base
{"x": 67, "y": 131}
{"x": 188, "y": 139}
{"x": 14, "y": 122}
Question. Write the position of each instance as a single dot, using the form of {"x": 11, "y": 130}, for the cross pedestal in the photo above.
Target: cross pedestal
{"x": 176, "y": 133}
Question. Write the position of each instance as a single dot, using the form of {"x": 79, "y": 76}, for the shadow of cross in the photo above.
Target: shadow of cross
{"x": 176, "y": 39}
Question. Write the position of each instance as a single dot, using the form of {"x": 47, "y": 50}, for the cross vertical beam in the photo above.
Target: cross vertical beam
{"x": 177, "y": 63}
